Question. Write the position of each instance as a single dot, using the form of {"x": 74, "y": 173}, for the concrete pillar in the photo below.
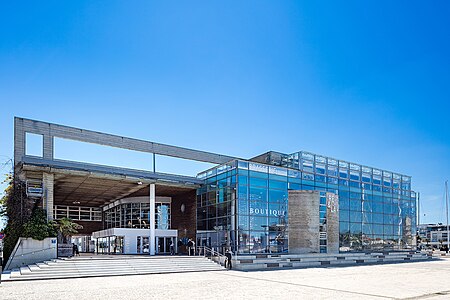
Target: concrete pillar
{"x": 152, "y": 219}
{"x": 332, "y": 223}
{"x": 48, "y": 181}
{"x": 304, "y": 220}
{"x": 48, "y": 147}
{"x": 19, "y": 140}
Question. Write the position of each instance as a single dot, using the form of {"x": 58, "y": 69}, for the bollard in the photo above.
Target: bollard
{"x": 1, "y": 269}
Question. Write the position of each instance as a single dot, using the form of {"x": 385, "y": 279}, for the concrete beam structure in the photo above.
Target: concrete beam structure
{"x": 50, "y": 130}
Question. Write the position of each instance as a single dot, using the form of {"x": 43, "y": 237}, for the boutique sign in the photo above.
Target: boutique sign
{"x": 265, "y": 212}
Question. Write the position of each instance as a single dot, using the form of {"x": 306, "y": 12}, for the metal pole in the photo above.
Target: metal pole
{"x": 418, "y": 209}
{"x": 446, "y": 211}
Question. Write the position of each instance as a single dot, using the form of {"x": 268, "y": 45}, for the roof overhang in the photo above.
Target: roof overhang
{"x": 97, "y": 185}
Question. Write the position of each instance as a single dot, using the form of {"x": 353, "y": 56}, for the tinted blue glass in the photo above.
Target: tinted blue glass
{"x": 355, "y": 205}
{"x": 274, "y": 184}
{"x": 343, "y": 182}
{"x": 277, "y": 196}
{"x": 376, "y": 188}
{"x": 257, "y": 194}
{"x": 243, "y": 179}
{"x": 307, "y": 187}
{"x": 242, "y": 192}
{"x": 258, "y": 223}
{"x": 344, "y": 216}
{"x": 258, "y": 208}
{"x": 355, "y": 184}
{"x": 320, "y": 178}
{"x": 243, "y": 222}
{"x": 355, "y": 216}
{"x": 344, "y": 203}
{"x": 258, "y": 174}
{"x": 332, "y": 180}
{"x": 377, "y": 218}
{"x": 367, "y": 228}
{"x": 258, "y": 182}
{"x": 355, "y": 228}
{"x": 242, "y": 207}
{"x": 294, "y": 186}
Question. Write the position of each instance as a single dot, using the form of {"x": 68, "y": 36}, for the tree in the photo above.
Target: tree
{"x": 67, "y": 228}
{"x": 37, "y": 227}
{"x": 18, "y": 209}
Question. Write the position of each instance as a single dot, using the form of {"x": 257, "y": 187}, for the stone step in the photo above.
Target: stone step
{"x": 74, "y": 268}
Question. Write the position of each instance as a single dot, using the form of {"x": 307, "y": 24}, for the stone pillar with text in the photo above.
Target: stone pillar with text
{"x": 332, "y": 223}
{"x": 304, "y": 221}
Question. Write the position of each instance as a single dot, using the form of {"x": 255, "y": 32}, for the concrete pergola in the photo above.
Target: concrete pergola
{"x": 96, "y": 185}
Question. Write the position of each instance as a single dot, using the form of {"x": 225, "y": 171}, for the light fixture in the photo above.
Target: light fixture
{"x": 183, "y": 208}
{"x": 76, "y": 202}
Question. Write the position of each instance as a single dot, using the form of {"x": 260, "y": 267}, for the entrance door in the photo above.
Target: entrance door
{"x": 163, "y": 244}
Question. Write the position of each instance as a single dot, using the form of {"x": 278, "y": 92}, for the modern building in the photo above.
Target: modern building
{"x": 433, "y": 236}
{"x": 272, "y": 203}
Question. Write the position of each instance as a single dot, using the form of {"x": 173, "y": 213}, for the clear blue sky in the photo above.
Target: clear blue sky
{"x": 363, "y": 82}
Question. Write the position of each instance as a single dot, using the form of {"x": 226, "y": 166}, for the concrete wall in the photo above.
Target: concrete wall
{"x": 303, "y": 221}
{"x": 29, "y": 251}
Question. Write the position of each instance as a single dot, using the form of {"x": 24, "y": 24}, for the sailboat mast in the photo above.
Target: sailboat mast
{"x": 446, "y": 210}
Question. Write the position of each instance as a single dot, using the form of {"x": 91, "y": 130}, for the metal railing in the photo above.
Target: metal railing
{"x": 13, "y": 255}
{"x": 212, "y": 254}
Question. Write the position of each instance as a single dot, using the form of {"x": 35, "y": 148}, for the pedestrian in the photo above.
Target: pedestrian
{"x": 74, "y": 249}
{"x": 172, "y": 247}
{"x": 179, "y": 244}
{"x": 228, "y": 260}
{"x": 193, "y": 247}
{"x": 189, "y": 246}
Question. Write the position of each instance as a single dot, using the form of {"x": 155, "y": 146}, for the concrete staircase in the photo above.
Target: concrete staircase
{"x": 285, "y": 261}
{"x": 97, "y": 266}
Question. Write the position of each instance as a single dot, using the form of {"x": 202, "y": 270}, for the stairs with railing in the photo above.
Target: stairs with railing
{"x": 99, "y": 266}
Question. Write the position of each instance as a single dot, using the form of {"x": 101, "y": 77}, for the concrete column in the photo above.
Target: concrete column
{"x": 304, "y": 221}
{"x": 47, "y": 181}
{"x": 19, "y": 140}
{"x": 48, "y": 147}
{"x": 152, "y": 219}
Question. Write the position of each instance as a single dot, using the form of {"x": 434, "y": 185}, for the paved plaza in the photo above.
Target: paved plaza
{"x": 419, "y": 280}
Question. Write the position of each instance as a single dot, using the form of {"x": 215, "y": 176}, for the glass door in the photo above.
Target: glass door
{"x": 163, "y": 244}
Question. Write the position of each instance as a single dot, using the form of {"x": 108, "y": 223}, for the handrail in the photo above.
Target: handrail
{"x": 12, "y": 256}
{"x": 212, "y": 255}
{"x": 34, "y": 252}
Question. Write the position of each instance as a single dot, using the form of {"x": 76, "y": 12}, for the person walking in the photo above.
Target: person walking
{"x": 179, "y": 244}
{"x": 189, "y": 246}
{"x": 228, "y": 260}
{"x": 172, "y": 248}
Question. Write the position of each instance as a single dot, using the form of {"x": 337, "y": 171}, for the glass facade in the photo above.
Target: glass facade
{"x": 136, "y": 215}
{"x": 244, "y": 204}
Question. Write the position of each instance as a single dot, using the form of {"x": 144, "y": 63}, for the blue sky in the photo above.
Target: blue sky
{"x": 361, "y": 81}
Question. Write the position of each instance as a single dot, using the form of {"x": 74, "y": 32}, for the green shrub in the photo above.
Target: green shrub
{"x": 37, "y": 227}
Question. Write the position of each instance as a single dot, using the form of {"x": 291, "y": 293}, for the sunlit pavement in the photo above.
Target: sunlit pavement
{"x": 430, "y": 280}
